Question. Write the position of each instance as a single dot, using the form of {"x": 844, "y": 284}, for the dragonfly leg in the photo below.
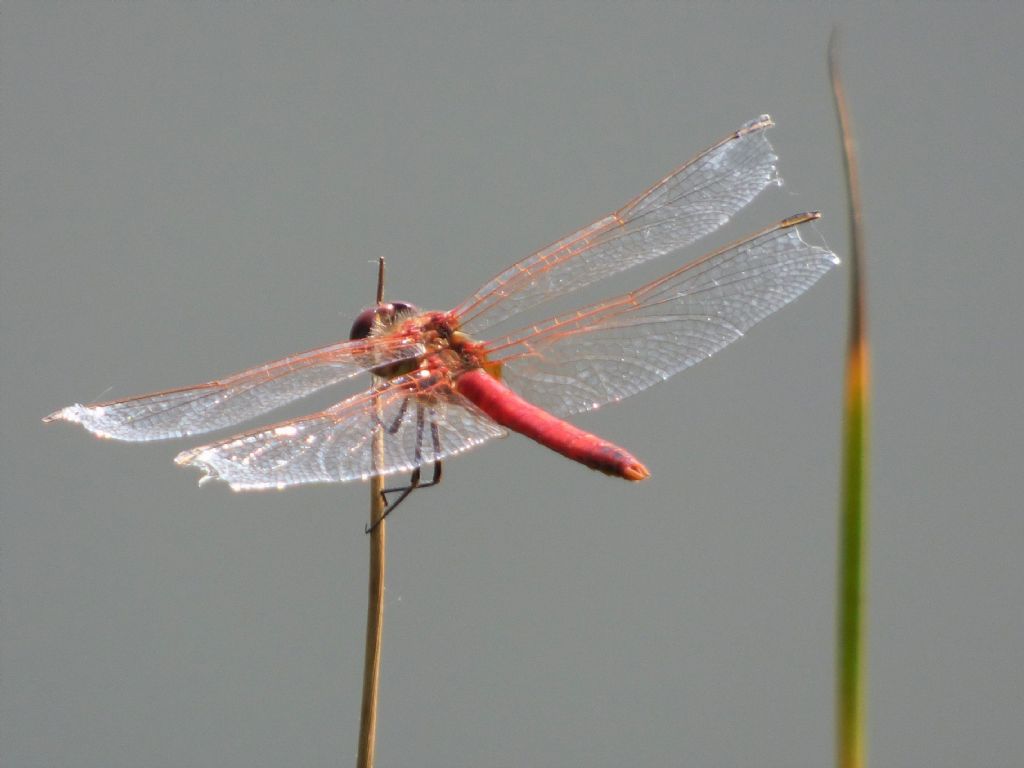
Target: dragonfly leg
{"x": 414, "y": 484}
{"x": 435, "y": 439}
{"x": 396, "y": 424}
{"x": 414, "y": 478}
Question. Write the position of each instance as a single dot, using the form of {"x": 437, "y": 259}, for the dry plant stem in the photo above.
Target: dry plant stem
{"x": 375, "y": 598}
{"x": 851, "y": 653}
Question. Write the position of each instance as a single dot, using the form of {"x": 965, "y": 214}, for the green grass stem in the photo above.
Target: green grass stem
{"x": 851, "y": 700}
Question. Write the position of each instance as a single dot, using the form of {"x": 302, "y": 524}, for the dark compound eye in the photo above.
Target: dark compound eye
{"x": 364, "y": 322}
{"x": 363, "y": 325}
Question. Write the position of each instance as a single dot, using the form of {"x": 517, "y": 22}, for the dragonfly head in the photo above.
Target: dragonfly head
{"x": 379, "y": 316}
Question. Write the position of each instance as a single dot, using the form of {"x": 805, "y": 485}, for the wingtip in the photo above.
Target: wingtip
{"x": 71, "y": 413}
{"x": 190, "y": 458}
{"x": 55, "y": 416}
{"x": 762, "y": 123}
{"x": 186, "y": 458}
{"x": 800, "y": 218}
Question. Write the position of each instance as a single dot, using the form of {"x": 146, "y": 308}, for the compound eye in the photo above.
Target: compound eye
{"x": 364, "y": 323}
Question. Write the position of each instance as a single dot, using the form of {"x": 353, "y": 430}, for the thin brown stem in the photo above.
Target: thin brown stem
{"x": 851, "y": 699}
{"x": 380, "y": 280}
{"x": 375, "y": 597}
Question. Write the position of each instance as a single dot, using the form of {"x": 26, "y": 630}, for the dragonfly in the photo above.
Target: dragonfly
{"x": 439, "y": 389}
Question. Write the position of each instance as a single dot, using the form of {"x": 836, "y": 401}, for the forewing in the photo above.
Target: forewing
{"x": 423, "y": 422}
{"x": 611, "y": 350}
{"x": 226, "y": 402}
{"x": 694, "y": 200}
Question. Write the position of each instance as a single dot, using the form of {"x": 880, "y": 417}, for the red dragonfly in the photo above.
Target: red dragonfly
{"x": 440, "y": 391}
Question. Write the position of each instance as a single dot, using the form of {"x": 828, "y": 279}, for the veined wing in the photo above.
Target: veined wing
{"x": 423, "y": 421}
{"x": 694, "y": 200}
{"x": 225, "y": 402}
{"x": 616, "y": 348}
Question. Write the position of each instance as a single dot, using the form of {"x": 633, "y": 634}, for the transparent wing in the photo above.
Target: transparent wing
{"x": 423, "y": 422}
{"x": 225, "y": 402}
{"x": 614, "y": 349}
{"x": 694, "y": 200}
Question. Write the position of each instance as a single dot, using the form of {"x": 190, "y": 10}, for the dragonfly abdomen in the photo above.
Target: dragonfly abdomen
{"x": 511, "y": 411}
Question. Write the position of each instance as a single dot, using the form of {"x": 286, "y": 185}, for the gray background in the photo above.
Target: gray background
{"x": 190, "y": 189}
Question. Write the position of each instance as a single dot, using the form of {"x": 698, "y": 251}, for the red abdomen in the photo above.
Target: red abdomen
{"x": 510, "y": 410}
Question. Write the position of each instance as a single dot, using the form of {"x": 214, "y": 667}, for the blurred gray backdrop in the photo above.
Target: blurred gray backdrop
{"x": 189, "y": 189}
